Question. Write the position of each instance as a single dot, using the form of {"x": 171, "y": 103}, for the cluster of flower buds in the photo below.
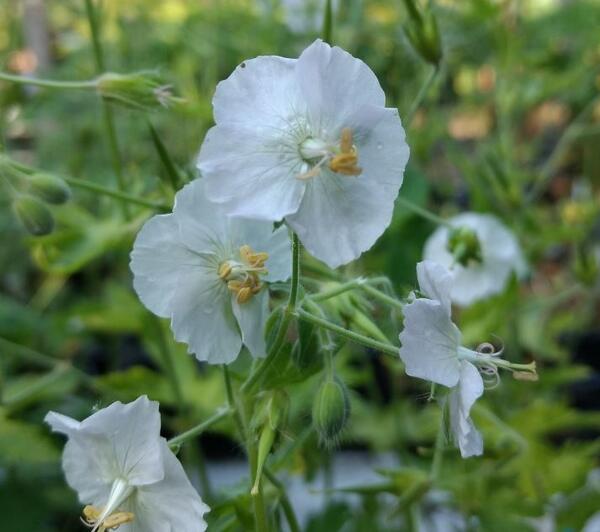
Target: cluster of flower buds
{"x": 33, "y": 192}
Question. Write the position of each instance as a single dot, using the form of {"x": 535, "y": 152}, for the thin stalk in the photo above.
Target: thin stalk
{"x": 117, "y": 194}
{"x": 49, "y": 83}
{"x": 37, "y": 386}
{"x": 169, "y": 362}
{"x": 571, "y": 132}
{"x": 258, "y": 502}
{"x": 109, "y": 124}
{"x": 382, "y": 296}
{"x": 424, "y": 213}
{"x": 44, "y": 360}
{"x": 286, "y": 505}
{"x": 421, "y": 95}
{"x": 438, "y": 452}
{"x": 232, "y": 404}
{"x": 285, "y": 321}
{"x": 200, "y": 428}
{"x": 336, "y": 291}
{"x": 388, "y": 349}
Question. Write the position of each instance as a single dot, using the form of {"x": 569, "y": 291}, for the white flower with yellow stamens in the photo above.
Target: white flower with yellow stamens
{"x": 125, "y": 473}
{"x": 207, "y": 272}
{"x": 431, "y": 350}
{"x": 481, "y": 254}
{"x": 308, "y": 140}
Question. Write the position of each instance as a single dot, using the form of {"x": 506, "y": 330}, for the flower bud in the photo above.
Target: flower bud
{"x": 34, "y": 215}
{"x": 143, "y": 91}
{"x": 49, "y": 188}
{"x": 464, "y": 246}
{"x": 331, "y": 410}
{"x": 423, "y": 33}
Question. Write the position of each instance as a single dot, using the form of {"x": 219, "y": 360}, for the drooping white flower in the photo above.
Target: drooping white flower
{"x": 308, "y": 140}
{"x": 432, "y": 350}
{"x": 499, "y": 254}
{"x": 207, "y": 272}
{"x": 125, "y": 473}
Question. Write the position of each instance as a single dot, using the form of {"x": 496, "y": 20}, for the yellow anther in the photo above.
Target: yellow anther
{"x": 252, "y": 258}
{"x": 224, "y": 270}
{"x": 117, "y": 519}
{"x": 346, "y": 140}
{"x": 244, "y": 290}
{"x": 345, "y": 161}
{"x": 91, "y": 515}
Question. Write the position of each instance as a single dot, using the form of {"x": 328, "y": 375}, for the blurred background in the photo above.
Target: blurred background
{"x": 511, "y": 126}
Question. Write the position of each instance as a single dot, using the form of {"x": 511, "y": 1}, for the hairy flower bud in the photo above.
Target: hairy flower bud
{"x": 49, "y": 188}
{"x": 331, "y": 410}
{"x": 34, "y": 215}
{"x": 143, "y": 91}
{"x": 464, "y": 245}
{"x": 423, "y": 33}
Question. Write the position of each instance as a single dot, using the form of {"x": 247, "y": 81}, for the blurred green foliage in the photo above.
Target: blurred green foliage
{"x": 73, "y": 336}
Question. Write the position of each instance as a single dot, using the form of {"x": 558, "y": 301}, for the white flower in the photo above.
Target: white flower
{"x": 309, "y": 141}
{"x": 431, "y": 349}
{"x": 125, "y": 472}
{"x": 206, "y": 272}
{"x": 500, "y": 255}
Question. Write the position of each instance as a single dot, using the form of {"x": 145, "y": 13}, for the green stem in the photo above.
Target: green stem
{"x": 49, "y": 83}
{"x": 388, "y": 349}
{"x": 109, "y": 124}
{"x": 200, "y": 428}
{"x": 327, "y": 31}
{"x": 338, "y": 290}
{"x": 547, "y": 170}
{"x": 286, "y": 505}
{"x": 295, "y": 273}
{"x": 231, "y": 402}
{"x": 285, "y": 321}
{"x": 382, "y": 296}
{"x": 169, "y": 362}
{"x": 421, "y": 95}
{"x": 424, "y": 213}
{"x": 48, "y": 379}
{"x": 44, "y": 360}
{"x": 438, "y": 452}
{"x": 117, "y": 194}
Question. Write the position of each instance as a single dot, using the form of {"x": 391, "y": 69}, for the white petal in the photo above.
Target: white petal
{"x": 203, "y": 225}
{"x": 501, "y": 255}
{"x": 252, "y": 317}
{"x": 157, "y": 260}
{"x": 342, "y": 216}
{"x": 334, "y": 84}
{"x": 250, "y": 158}
{"x": 262, "y": 90}
{"x": 87, "y": 460}
{"x": 252, "y": 171}
{"x": 60, "y": 423}
{"x": 203, "y": 319}
{"x": 171, "y": 505}
{"x": 134, "y": 432}
{"x": 435, "y": 282}
{"x": 430, "y": 343}
{"x": 462, "y": 398}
